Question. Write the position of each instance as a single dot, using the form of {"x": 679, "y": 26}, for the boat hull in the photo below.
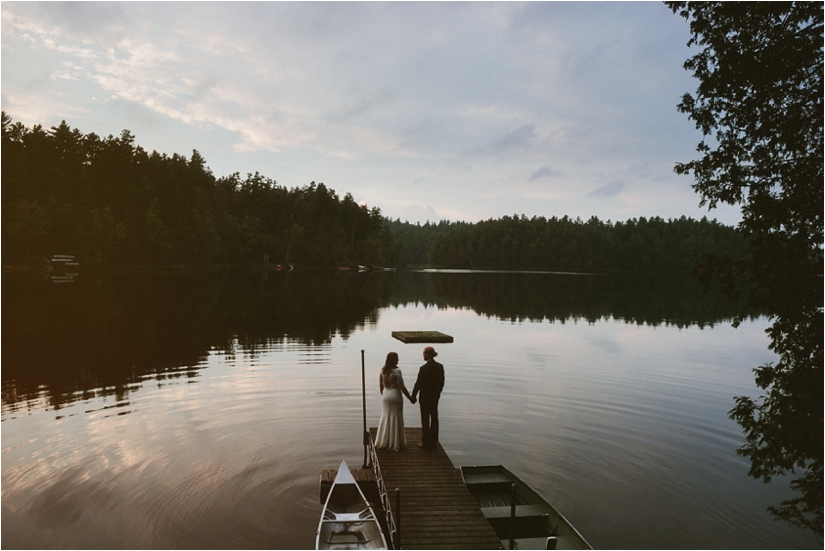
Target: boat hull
{"x": 536, "y": 524}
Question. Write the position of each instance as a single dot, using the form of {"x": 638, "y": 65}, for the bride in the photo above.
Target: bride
{"x": 391, "y": 427}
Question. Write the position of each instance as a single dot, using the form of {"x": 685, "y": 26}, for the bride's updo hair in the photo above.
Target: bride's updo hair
{"x": 392, "y": 361}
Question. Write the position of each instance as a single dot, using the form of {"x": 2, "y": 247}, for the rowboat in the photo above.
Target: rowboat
{"x": 532, "y": 524}
{"x": 348, "y": 520}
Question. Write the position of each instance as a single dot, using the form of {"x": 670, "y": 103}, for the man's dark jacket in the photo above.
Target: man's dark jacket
{"x": 430, "y": 382}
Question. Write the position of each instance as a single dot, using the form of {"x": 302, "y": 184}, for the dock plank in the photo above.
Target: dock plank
{"x": 437, "y": 510}
{"x": 365, "y": 478}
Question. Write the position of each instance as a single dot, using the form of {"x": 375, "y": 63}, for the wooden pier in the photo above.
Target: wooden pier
{"x": 437, "y": 511}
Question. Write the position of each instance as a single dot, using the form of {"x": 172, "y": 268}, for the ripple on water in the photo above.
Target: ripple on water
{"x": 631, "y": 441}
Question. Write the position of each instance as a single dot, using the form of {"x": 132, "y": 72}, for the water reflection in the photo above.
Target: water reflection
{"x": 209, "y": 430}
{"x": 107, "y": 331}
{"x": 517, "y": 296}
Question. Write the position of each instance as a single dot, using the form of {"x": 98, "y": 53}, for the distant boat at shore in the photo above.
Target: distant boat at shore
{"x": 63, "y": 260}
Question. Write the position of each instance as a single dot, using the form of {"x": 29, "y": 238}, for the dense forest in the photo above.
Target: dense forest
{"x": 519, "y": 242}
{"x": 107, "y": 200}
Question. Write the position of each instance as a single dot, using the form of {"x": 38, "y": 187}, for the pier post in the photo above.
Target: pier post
{"x": 398, "y": 518}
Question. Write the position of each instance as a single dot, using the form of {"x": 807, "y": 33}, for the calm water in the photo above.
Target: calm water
{"x": 196, "y": 411}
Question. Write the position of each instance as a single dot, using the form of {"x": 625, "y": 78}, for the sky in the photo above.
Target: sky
{"x": 428, "y": 111}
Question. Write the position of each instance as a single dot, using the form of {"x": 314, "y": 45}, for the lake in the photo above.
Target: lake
{"x": 196, "y": 410}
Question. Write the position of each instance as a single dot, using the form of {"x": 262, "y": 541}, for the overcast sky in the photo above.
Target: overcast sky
{"x": 429, "y": 111}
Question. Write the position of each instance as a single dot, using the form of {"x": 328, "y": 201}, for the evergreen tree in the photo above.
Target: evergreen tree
{"x": 108, "y": 200}
{"x": 759, "y": 105}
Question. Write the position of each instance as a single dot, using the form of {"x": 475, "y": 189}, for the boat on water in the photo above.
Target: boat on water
{"x": 532, "y": 524}
{"x": 348, "y": 520}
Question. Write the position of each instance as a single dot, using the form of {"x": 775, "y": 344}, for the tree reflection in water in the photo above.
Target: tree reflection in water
{"x": 104, "y": 334}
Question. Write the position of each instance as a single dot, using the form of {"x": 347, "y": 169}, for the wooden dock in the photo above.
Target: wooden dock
{"x": 365, "y": 478}
{"x": 437, "y": 510}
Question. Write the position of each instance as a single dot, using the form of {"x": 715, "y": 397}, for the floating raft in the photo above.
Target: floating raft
{"x": 421, "y": 336}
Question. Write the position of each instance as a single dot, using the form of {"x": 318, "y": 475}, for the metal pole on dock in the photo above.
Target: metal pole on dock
{"x": 364, "y": 407}
{"x": 512, "y": 514}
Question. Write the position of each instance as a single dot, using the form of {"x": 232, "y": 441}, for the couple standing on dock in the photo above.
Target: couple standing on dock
{"x": 430, "y": 383}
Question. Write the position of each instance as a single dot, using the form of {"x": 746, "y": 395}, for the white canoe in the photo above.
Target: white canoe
{"x": 348, "y": 521}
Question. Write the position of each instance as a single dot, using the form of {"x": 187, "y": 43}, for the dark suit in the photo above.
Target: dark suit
{"x": 430, "y": 383}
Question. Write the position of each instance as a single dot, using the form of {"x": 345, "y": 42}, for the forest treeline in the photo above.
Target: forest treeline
{"x": 108, "y": 200}
{"x": 517, "y": 242}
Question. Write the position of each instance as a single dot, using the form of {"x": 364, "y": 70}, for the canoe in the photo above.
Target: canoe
{"x": 536, "y": 524}
{"x": 348, "y": 520}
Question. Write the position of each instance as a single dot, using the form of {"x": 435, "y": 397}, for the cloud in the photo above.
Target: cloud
{"x": 37, "y": 108}
{"x": 360, "y": 107}
{"x": 85, "y": 20}
{"x": 63, "y": 75}
{"x": 609, "y": 190}
{"x": 420, "y": 213}
{"x": 517, "y": 140}
{"x": 509, "y": 107}
{"x": 546, "y": 171}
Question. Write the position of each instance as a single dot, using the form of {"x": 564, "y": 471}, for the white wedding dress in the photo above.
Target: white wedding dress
{"x": 391, "y": 427}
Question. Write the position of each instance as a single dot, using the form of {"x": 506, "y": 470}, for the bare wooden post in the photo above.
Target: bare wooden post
{"x": 398, "y": 518}
{"x": 512, "y": 515}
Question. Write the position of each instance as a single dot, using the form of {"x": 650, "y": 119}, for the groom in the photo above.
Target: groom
{"x": 430, "y": 382}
